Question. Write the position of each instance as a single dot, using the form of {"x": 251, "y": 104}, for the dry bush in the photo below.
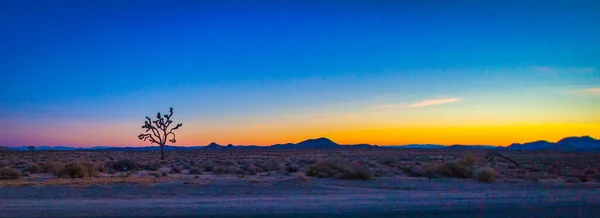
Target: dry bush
{"x": 7, "y": 173}
{"x": 149, "y": 166}
{"x": 125, "y": 165}
{"x": 225, "y": 170}
{"x": 292, "y": 168}
{"x": 340, "y": 169}
{"x": 176, "y": 169}
{"x": 78, "y": 170}
{"x": 195, "y": 171}
{"x": 251, "y": 170}
{"x": 485, "y": 174}
{"x": 51, "y": 167}
{"x": 5, "y": 163}
{"x": 208, "y": 166}
{"x": 34, "y": 168}
{"x": 461, "y": 168}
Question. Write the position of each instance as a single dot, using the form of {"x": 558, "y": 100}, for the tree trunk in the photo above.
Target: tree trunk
{"x": 162, "y": 152}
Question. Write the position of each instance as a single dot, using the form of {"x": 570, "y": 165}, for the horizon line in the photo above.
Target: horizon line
{"x": 391, "y": 145}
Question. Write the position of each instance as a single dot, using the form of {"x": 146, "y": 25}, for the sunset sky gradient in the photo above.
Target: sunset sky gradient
{"x": 86, "y": 73}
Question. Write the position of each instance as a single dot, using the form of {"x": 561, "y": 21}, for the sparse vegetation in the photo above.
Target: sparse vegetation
{"x": 339, "y": 168}
{"x": 7, "y": 173}
{"x": 34, "y": 168}
{"x": 78, "y": 170}
{"x": 459, "y": 168}
{"x": 346, "y": 164}
{"x": 124, "y": 165}
{"x": 485, "y": 174}
{"x": 194, "y": 171}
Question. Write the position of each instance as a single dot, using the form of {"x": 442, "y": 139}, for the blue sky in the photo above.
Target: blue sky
{"x": 240, "y": 63}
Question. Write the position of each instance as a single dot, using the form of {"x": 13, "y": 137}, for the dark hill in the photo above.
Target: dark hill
{"x": 584, "y": 142}
{"x": 537, "y": 145}
{"x": 320, "y": 143}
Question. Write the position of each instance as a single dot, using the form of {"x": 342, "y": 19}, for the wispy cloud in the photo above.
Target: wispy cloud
{"x": 432, "y": 102}
{"x": 424, "y": 103}
{"x": 592, "y": 90}
{"x": 560, "y": 70}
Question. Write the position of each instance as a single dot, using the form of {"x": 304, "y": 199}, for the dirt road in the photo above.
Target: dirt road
{"x": 318, "y": 198}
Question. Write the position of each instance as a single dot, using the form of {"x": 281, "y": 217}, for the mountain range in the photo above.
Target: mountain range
{"x": 582, "y": 144}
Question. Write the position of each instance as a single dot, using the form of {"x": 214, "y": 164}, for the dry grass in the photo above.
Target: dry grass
{"x": 459, "y": 168}
{"x": 350, "y": 164}
{"x": 78, "y": 170}
{"x": 34, "y": 168}
{"x": 485, "y": 174}
{"x": 340, "y": 169}
{"x": 8, "y": 173}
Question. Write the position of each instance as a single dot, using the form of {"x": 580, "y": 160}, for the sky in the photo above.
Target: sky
{"x": 86, "y": 73}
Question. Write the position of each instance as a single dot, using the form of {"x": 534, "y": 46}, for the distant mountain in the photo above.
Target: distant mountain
{"x": 471, "y": 147}
{"x": 214, "y": 146}
{"x": 562, "y": 147}
{"x": 5, "y": 149}
{"x": 423, "y": 146}
{"x": 47, "y": 148}
{"x": 584, "y": 142}
{"x": 320, "y": 143}
{"x": 537, "y": 145}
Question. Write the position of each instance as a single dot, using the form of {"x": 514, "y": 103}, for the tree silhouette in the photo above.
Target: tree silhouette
{"x": 31, "y": 148}
{"x": 160, "y": 131}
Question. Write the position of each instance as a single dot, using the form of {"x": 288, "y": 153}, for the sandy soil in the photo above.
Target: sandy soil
{"x": 289, "y": 196}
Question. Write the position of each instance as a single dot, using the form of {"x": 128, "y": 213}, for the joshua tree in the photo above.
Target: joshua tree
{"x": 160, "y": 131}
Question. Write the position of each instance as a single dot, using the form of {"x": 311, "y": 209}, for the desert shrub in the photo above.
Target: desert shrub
{"x": 590, "y": 171}
{"x": 326, "y": 168}
{"x": 292, "y": 168}
{"x": 123, "y": 165}
{"x": 231, "y": 163}
{"x": 460, "y": 168}
{"x": 455, "y": 169}
{"x": 219, "y": 170}
{"x": 340, "y": 169}
{"x": 356, "y": 170}
{"x": 485, "y": 174}
{"x": 51, "y": 167}
{"x": 149, "y": 166}
{"x": 4, "y": 163}
{"x": 225, "y": 170}
{"x": 78, "y": 170}
{"x": 194, "y": 171}
{"x": 388, "y": 161}
{"x": 428, "y": 170}
{"x": 250, "y": 170}
{"x": 208, "y": 166}
{"x": 7, "y": 173}
{"x": 176, "y": 169}
{"x": 34, "y": 168}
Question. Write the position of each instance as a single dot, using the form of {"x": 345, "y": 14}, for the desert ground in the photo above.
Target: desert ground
{"x": 348, "y": 183}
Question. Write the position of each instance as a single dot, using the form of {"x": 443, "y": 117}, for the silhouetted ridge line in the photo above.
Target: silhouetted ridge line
{"x": 580, "y": 144}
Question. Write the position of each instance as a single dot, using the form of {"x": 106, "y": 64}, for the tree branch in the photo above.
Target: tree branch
{"x": 147, "y": 136}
